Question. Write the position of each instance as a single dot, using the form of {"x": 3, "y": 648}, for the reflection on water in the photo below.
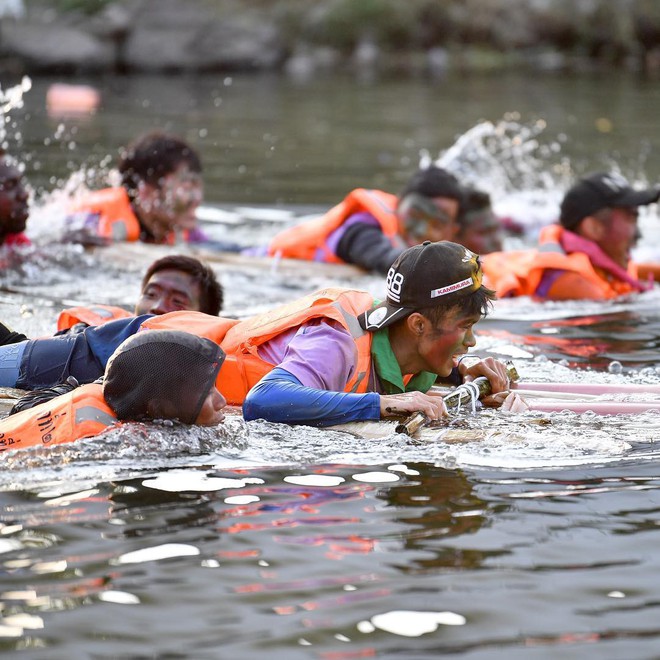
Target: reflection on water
{"x": 595, "y": 340}
{"x": 400, "y": 559}
{"x": 445, "y": 505}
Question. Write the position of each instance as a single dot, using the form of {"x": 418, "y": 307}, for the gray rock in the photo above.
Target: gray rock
{"x": 202, "y": 35}
{"x": 170, "y": 14}
{"x": 49, "y": 46}
{"x": 158, "y": 49}
{"x": 113, "y": 22}
{"x": 307, "y": 61}
{"x": 239, "y": 43}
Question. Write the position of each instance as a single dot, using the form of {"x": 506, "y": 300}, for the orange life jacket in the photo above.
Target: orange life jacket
{"x": 519, "y": 272}
{"x": 243, "y": 367}
{"x": 96, "y": 315}
{"x": 649, "y": 271}
{"x": 81, "y": 413}
{"x": 308, "y": 240}
{"x": 117, "y": 220}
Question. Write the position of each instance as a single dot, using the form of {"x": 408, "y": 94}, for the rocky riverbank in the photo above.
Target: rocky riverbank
{"x": 305, "y": 38}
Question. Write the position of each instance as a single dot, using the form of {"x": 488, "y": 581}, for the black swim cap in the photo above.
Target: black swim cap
{"x": 161, "y": 374}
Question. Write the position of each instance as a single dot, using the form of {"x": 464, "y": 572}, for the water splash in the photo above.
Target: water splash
{"x": 523, "y": 173}
{"x": 48, "y": 209}
{"x": 116, "y": 453}
{"x": 507, "y": 157}
{"x": 12, "y": 99}
{"x": 11, "y": 137}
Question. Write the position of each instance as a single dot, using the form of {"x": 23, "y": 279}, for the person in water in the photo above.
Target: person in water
{"x": 14, "y": 204}
{"x": 587, "y": 255}
{"x": 162, "y": 374}
{"x": 178, "y": 282}
{"x": 174, "y": 282}
{"x": 375, "y": 360}
{"x": 14, "y": 213}
{"x": 355, "y": 359}
{"x": 161, "y": 189}
{"x": 479, "y": 229}
{"x": 371, "y": 228}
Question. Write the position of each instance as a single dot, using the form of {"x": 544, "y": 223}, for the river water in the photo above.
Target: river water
{"x": 506, "y": 536}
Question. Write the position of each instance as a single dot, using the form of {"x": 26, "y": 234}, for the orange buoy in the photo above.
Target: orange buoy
{"x": 63, "y": 99}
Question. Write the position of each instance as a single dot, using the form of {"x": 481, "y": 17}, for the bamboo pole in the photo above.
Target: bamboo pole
{"x": 461, "y": 396}
{"x": 590, "y": 388}
{"x": 596, "y": 407}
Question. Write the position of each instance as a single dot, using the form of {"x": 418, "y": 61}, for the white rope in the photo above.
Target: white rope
{"x": 275, "y": 264}
{"x": 472, "y": 392}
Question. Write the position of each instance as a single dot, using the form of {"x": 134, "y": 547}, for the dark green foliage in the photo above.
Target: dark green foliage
{"x": 88, "y": 7}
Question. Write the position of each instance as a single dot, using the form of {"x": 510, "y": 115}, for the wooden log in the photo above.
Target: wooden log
{"x": 144, "y": 254}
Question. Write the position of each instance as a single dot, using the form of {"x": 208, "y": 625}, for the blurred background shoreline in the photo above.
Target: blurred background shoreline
{"x": 303, "y": 39}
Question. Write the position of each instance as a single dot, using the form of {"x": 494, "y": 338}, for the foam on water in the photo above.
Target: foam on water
{"x": 413, "y": 623}
{"x": 177, "y": 481}
{"x": 156, "y": 553}
{"x": 487, "y": 439}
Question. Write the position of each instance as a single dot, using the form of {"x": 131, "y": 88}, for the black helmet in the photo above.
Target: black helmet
{"x": 161, "y": 374}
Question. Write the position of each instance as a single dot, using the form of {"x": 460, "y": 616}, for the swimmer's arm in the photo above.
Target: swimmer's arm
{"x": 280, "y": 397}
{"x": 366, "y": 246}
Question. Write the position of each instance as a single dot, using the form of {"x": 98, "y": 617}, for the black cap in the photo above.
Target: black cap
{"x": 425, "y": 275}
{"x": 600, "y": 191}
{"x": 161, "y": 374}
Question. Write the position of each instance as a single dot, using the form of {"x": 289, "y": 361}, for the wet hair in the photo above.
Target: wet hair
{"x": 477, "y": 302}
{"x": 211, "y": 291}
{"x": 433, "y": 182}
{"x": 473, "y": 201}
{"x": 153, "y": 156}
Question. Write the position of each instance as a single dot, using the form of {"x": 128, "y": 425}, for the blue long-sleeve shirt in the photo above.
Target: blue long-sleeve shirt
{"x": 280, "y": 397}
{"x": 48, "y": 361}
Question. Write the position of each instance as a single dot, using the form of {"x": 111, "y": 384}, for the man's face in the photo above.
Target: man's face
{"x": 211, "y": 412}
{"x": 482, "y": 234}
{"x": 13, "y": 200}
{"x": 427, "y": 218}
{"x": 172, "y": 206}
{"x": 441, "y": 346}
{"x": 169, "y": 291}
{"x": 620, "y": 233}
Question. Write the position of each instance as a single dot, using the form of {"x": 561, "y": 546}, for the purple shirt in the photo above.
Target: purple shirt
{"x": 336, "y": 236}
{"x": 548, "y": 278}
{"x": 197, "y": 235}
{"x": 320, "y": 354}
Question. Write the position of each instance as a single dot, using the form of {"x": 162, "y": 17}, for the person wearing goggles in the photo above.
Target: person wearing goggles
{"x": 370, "y": 228}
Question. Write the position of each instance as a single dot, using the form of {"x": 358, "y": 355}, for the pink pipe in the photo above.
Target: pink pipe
{"x": 588, "y": 388}
{"x": 599, "y": 407}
